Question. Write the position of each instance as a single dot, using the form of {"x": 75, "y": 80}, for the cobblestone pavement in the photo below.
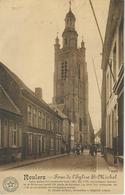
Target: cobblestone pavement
{"x": 72, "y": 162}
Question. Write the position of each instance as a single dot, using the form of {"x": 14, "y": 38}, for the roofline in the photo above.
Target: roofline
{"x": 28, "y": 90}
{"x": 18, "y": 110}
{"x": 44, "y": 104}
{"x": 14, "y": 113}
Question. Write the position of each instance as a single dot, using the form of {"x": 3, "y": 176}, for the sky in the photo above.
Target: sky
{"x": 28, "y": 29}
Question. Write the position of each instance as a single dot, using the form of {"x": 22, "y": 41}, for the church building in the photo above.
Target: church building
{"x": 71, "y": 79}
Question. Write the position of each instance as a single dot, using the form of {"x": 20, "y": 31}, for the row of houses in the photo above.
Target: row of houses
{"x": 113, "y": 84}
{"x": 29, "y": 127}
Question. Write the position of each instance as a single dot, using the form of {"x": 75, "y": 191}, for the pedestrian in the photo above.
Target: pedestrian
{"x": 91, "y": 150}
{"x": 73, "y": 150}
{"x": 77, "y": 150}
{"x": 82, "y": 148}
{"x": 95, "y": 150}
{"x": 67, "y": 149}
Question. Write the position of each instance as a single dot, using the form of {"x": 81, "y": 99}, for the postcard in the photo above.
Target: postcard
{"x": 61, "y": 97}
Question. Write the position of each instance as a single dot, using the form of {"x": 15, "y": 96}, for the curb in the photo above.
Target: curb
{"x": 33, "y": 162}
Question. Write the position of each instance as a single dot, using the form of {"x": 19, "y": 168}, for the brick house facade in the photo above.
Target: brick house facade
{"x": 41, "y": 127}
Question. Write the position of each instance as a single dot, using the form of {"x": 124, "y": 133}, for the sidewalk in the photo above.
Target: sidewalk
{"x": 22, "y": 163}
{"x": 102, "y": 164}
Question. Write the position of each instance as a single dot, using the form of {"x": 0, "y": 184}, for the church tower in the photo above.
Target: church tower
{"x": 71, "y": 79}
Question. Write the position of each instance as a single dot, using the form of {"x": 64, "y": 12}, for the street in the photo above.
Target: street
{"x": 71, "y": 162}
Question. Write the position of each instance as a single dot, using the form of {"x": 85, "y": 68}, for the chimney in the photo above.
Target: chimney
{"x": 38, "y": 92}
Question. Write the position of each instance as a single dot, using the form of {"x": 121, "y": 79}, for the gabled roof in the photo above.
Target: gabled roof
{"x": 23, "y": 87}
{"x": 19, "y": 82}
{"x": 6, "y": 102}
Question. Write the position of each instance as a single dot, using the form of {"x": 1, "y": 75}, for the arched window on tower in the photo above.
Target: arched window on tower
{"x": 78, "y": 71}
{"x": 65, "y": 41}
{"x": 80, "y": 124}
{"x": 64, "y": 70}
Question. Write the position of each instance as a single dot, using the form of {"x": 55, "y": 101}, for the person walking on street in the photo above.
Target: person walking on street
{"x": 91, "y": 150}
{"x": 82, "y": 148}
{"x": 95, "y": 150}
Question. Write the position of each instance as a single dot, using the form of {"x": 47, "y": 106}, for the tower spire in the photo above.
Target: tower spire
{"x": 70, "y": 3}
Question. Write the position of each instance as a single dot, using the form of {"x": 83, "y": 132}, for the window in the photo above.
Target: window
{"x": 44, "y": 143}
{"x": 29, "y": 118}
{"x": 107, "y": 87}
{"x": 56, "y": 125}
{"x": 19, "y": 135}
{"x": 34, "y": 117}
{"x": 43, "y": 121}
{"x": 47, "y": 123}
{"x": 114, "y": 61}
{"x": 52, "y": 125}
{"x": 121, "y": 44}
{"x": 0, "y": 132}
{"x": 14, "y": 134}
{"x": 40, "y": 120}
{"x": 110, "y": 78}
{"x": 109, "y": 131}
{"x": 30, "y": 143}
{"x": 64, "y": 70}
{"x": 65, "y": 41}
{"x": 52, "y": 143}
{"x": 5, "y": 133}
{"x": 59, "y": 125}
{"x": 40, "y": 144}
{"x": 80, "y": 124}
{"x": 78, "y": 71}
